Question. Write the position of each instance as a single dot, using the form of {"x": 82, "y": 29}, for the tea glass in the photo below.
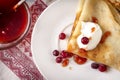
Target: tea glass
{"x": 14, "y": 26}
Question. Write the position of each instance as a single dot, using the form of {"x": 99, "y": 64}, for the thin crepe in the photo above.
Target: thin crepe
{"x": 109, "y": 20}
{"x": 115, "y": 3}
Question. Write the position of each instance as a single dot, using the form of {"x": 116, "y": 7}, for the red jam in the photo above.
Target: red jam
{"x": 12, "y": 25}
{"x": 83, "y": 52}
{"x": 65, "y": 62}
{"x": 93, "y": 29}
{"x": 79, "y": 60}
{"x": 94, "y": 19}
{"x": 105, "y": 36}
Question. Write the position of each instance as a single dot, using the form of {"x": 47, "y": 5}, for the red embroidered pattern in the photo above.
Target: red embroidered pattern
{"x": 19, "y": 58}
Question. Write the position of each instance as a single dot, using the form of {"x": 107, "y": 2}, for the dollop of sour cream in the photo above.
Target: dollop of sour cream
{"x": 93, "y": 32}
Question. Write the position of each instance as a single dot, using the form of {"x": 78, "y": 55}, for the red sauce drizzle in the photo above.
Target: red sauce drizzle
{"x": 79, "y": 60}
{"x": 105, "y": 36}
{"x": 83, "y": 52}
{"x": 65, "y": 62}
{"x": 94, "y": 19}
{"x": 93, "y": 29}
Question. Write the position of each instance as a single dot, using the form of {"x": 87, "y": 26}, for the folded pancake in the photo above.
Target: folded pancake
{"x": 116, "y": 3}
{"x": 104, "y": 14}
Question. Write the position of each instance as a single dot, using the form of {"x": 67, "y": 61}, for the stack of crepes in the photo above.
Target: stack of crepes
{"x": 104, "y": 14}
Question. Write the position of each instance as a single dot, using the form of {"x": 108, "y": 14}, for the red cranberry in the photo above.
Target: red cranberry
{"x": 62, "y": 36}
{"x": 85, "y": 40}
{"x": 55, "y": 52}
{"x": 102, "y": 68}
{"x": 95, "y": 65}
{"x": 70, "y": 54}
{"x": 59, "y": 59}
{"x": 64, "y": 54}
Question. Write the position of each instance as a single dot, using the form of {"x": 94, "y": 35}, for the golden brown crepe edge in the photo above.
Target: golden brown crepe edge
{"x": 78, "y": 13}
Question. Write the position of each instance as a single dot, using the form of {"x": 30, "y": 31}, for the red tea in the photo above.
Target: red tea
{"x": 13, "y": 24}
{"x": 6, "y": 5}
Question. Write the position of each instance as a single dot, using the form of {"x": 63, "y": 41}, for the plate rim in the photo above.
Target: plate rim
{"x": 44, "y": 75}
{"x": 33, "y": 32}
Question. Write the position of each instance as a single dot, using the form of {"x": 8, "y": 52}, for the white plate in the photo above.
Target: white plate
{"x": 56, "y": 18}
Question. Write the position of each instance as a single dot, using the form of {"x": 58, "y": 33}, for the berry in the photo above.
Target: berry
{"x": 95, "y": 65}
{"x": 64, "y": 54}
{"x": 55, "y": 52}
{"x": 85, "y": 40}
{"x": 62, "y": 36}
{"x": 59, "y": 59}
{"x": 102, "y": 68}
{"x": 94, "y": 19}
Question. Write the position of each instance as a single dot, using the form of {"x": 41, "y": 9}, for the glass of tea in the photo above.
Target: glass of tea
{"x": 14, "y": 25}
